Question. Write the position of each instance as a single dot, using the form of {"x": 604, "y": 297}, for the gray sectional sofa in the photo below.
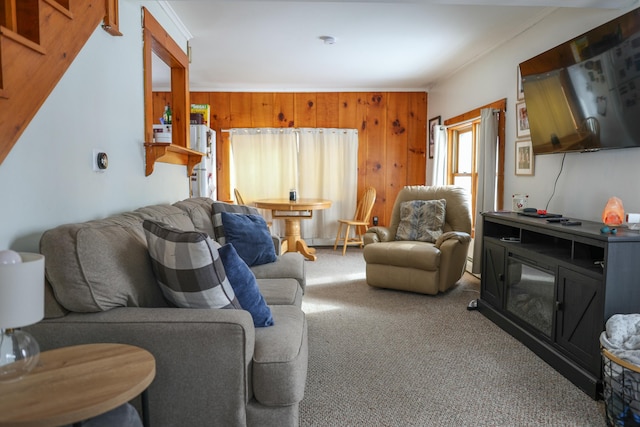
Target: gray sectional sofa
{"x": 214, "y": 368}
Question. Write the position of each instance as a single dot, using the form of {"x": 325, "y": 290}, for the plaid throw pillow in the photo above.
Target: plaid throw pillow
{"x": 188, "y": 267}
{"x": 218, "y": 208}
{"x": 421, "y": 220}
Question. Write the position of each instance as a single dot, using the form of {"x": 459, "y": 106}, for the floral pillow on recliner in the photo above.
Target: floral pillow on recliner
{"x": 421, "y": 220}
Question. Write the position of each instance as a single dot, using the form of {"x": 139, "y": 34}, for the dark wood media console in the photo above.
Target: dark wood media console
{"x": 553, "y": 287}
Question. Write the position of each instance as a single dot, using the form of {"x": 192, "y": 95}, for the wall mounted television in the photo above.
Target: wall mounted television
{"x": 584, "y": 95}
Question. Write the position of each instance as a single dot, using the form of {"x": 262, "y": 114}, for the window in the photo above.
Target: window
{"x": 463, "y": 156}
{"x": 462, "y": 135}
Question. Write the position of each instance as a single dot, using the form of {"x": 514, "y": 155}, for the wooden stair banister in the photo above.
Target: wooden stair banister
{"x": 39, "y": 39}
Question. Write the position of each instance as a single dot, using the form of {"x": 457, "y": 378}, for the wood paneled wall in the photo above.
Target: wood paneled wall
{"x": 392, "y": 129}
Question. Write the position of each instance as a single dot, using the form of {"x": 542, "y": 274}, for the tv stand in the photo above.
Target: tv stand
{"x": 553, "y": 288}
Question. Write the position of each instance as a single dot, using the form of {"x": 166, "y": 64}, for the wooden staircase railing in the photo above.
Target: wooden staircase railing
{"x": 39, "y": 39}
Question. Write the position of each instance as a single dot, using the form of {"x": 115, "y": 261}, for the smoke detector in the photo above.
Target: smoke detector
{"x": 328, "y": 39}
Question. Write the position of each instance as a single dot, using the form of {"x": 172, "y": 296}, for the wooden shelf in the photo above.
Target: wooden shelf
{"x": 165, "y": 152}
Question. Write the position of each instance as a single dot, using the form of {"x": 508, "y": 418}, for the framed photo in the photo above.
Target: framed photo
{"x": 519, "y": 87}
{"x": 432, "y": 134}
{"x": 522, "y": 120}
{"x": 524, "y": 158}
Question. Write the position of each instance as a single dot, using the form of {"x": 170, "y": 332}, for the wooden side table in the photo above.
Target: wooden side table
{"x": 72, "y": 384}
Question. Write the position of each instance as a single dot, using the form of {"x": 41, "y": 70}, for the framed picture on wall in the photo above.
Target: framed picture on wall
{"x": 432, "y": 134}
{"x": 519, "y": 87}
{"x": 524, "y": 158}
{"x": 522, "y": 120}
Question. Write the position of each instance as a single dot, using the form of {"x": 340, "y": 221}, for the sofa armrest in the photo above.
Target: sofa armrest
{"x": 277, "y": 243}
{"x": 203, "y": 356}
{"x": 377, "y": 234}
{"x": 289, "y": 265}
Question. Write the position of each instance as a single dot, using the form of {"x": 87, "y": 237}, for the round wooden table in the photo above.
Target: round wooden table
{"x": 292, "y": 212}
{"x": 72, "y": 384}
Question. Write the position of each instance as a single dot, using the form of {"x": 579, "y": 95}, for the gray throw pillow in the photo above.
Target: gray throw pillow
{"x": 421, "y": 220}
{"x": 188, "y": 267}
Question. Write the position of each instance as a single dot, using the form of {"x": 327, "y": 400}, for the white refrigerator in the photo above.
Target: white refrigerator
{"x": 203, "y": 179}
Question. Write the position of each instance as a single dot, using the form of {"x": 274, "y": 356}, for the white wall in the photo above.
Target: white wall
{"x": 587, "y": 179}
{"x": 47, "y": 178}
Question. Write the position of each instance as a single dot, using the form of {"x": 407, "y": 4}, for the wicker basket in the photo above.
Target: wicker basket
{"x": 621, "y": 392}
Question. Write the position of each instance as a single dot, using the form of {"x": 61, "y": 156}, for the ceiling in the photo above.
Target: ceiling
{"x": 262, "y": 45}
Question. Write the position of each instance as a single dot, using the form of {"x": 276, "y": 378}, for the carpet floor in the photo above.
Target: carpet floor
{"x": 389, "y": 358}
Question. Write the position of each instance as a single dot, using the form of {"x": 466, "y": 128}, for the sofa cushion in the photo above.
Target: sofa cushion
{"x": 245, "y": 286}
{"x": 421, "y": 220}
{"x": 404, "y": 253}
{"x": 288, "y": 265}
{"x": 218, "y": 208}
{"x": 52, "y": 308}
{"x": 250, "y": 236}
{"x": 166, "y": 214}
{"x": 200, "y": 212}
{"x": 281, "y": 291}
{"x": 102, "y": 264}
{"x": 188, "y": 267}
{"x": 280, "y": 358}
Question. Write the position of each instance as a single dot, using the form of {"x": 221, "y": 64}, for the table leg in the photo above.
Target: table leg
{"x": 309, "y": 253}
{"x": 295, "y": 243}
{"x": 145, "y": 408}
{"x": 292, "y": 233}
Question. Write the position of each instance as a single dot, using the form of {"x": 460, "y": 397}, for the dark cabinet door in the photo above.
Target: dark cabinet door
{"x": 492, "y": 289}
{"x": 579, "y": 318}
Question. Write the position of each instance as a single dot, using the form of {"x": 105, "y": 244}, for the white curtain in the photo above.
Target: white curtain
{"x": 487, "y": 149}
{"x": 439, "y": 176}
{"x": 318, "y": 163}
{"x": 264, "y": 165}
{"x": 328, "y": 164}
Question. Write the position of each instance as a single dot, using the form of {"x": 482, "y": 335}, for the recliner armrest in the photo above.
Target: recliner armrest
{"x": 377, "y": 234}
{"x": 461, "y": 236}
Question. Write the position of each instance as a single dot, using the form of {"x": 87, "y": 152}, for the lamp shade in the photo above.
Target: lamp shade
{"x": 22, "y": 291}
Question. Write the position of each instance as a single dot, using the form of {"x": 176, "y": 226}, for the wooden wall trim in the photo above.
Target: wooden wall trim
{"x": 391, "y": 126}
{"x": 500, "y": 105}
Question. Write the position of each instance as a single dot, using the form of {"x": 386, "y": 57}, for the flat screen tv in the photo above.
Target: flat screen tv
{"x": 584, "y": 95}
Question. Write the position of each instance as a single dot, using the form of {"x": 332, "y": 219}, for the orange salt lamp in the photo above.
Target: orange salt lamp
{"x": 613, "y": 213}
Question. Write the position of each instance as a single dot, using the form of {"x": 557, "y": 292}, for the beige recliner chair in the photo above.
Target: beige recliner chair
{"x": 419, "y": 266}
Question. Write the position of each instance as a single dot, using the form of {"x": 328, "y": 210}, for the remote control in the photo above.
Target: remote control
{"x": 571, "y": 223}
{"x": 557, "y": 219}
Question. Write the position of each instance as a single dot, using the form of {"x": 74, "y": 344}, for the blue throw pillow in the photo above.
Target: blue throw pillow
{"x": 250, "y": 236}
{"x": 245, "y": 286}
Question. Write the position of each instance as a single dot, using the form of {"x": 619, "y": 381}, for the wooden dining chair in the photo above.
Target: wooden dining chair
{"x": 239, "y": 199}
{"x": 360, "y": 221}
